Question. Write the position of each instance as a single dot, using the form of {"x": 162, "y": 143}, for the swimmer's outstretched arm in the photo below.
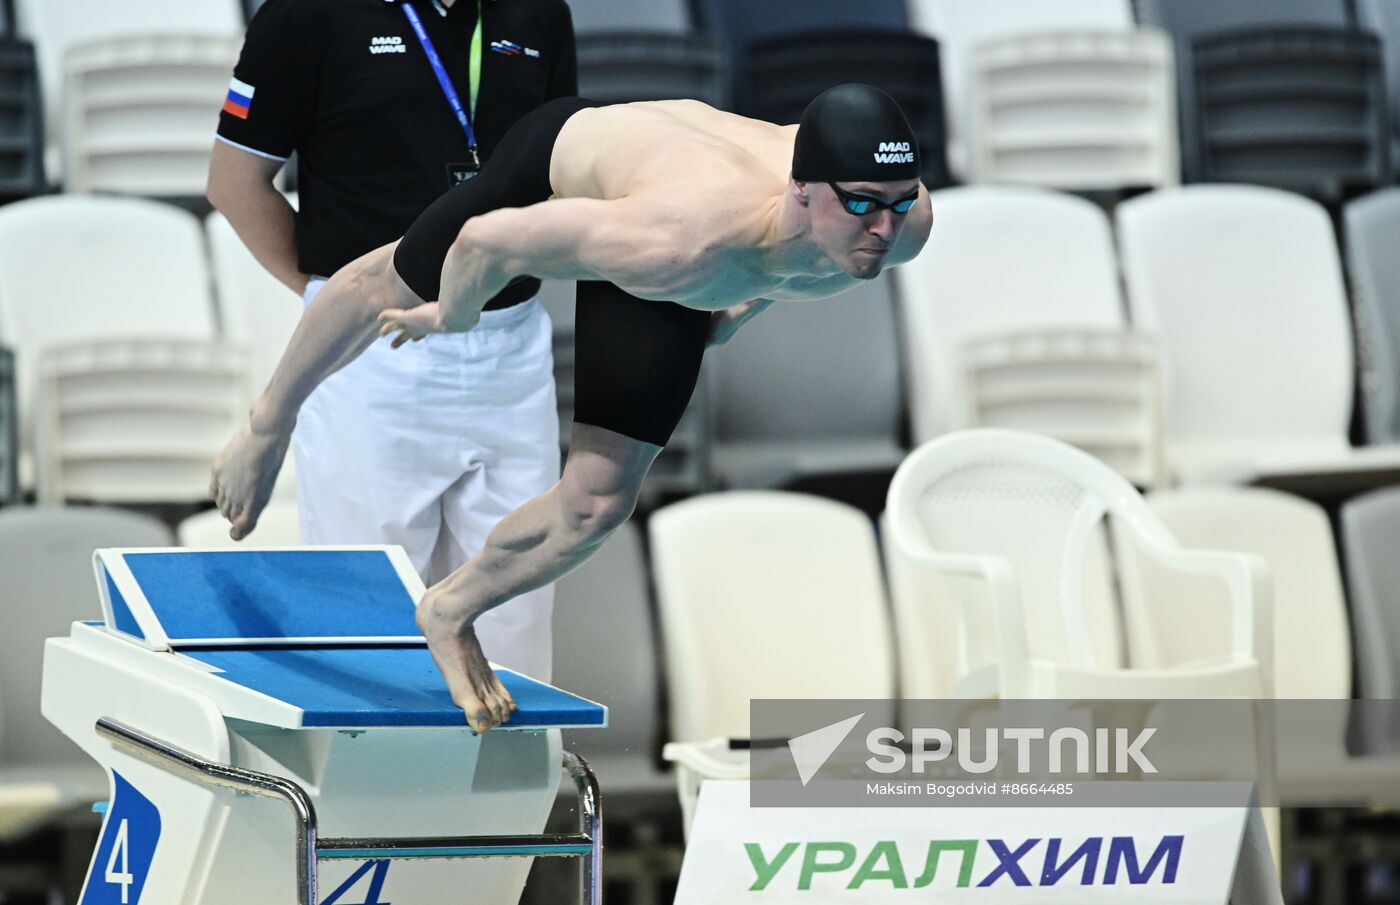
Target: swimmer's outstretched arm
{"x": 339, "y": 324}
{"x": 633, "y": 244}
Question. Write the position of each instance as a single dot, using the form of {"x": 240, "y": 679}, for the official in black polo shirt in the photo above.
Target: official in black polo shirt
{"x": 387, "y": 103}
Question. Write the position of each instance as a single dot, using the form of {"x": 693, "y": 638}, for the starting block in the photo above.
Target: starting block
{"x": 219, "y": 679}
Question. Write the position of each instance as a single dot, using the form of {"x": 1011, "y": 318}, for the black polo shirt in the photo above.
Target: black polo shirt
{"x": 346, "y": 85}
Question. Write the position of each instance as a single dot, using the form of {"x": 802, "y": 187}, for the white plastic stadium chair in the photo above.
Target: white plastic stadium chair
{"x": 136, "y": 421}
{"x": 763, "y": 595}
{"x": 1074, "y": 110}
{"x": 1174, "y": 617}
{"x": 1044, "y": 342}
{"x": 1010, "y": 520}
{"x": 77, "y": 269}
{"x": 46, "y": 561}
{"x": 1243, "y": 285}
{"x": 55, "y": 27}
{"x": 960, "y": 25}
{"x": 138, "y": 112}
{"x": 277, "y": 527}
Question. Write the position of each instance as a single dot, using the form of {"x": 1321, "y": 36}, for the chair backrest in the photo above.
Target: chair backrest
{"x": 1185, "y": 19}
{"x": 960, "y": 26}
{"x": 1073, "y": 109}
{"x": 1037, "y": 505}
{"x": 808, "y": 370}
{"x": 1241, "y": 284}
{"x": 9, "y": 430}
{"x": 116, "y": 268}
{"x": 1370, "y": 524}
{"x": 737, "y": 23}
{"x": 1251, "y": 114}
{"x": 611, "y": 656}
{"x": 621, "y": 67}
{"x": 277, "y": 527}
{"x": 21, "y": 121}
{"x": 1383, "y": 17}
{"x": 46, "y": 558}
{"x": 630, "y": 15}
{"x": 136, "y": 421}
{"x": 256, "y": 310}
{"x": 766, "y": 595}
{"x": 775, "y": 77}
{"x": 1174, "y": 617}
{"x": 999, "y": 260}
{"x": 138, "y": 112}
{"x": 55, "y": 27}
{"x": 1099, "y": 390}
{"x": 1372, "y": 231}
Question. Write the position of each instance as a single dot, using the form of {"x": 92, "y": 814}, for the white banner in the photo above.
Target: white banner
{"x": 842, "y": 856}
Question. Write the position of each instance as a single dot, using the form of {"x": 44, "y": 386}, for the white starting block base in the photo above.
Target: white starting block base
{"x": 365, "y": 727}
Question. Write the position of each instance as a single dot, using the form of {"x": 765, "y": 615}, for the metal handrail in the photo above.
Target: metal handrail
{"x": 587, "y": 844}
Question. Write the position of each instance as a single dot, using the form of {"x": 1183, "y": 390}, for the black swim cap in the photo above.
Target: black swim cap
{"x": 854, "y": 133}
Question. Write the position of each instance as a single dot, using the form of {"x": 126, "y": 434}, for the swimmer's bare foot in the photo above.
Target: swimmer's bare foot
{"x": 244, "y": 474}
{"x": 452, "y": 642}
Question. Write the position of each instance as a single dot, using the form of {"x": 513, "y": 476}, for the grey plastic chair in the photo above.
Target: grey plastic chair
{"x": 619, "y": 67}
{"x": 1187, "y": 18}
{"x": 9, "y": 430}
{"x": 1383, "y": 17}
{"x": 607, "y": 652}
{"x": 630, "y": 15}
{"x": 775, "y": 77}
{"x": 46, "y": 564}
{"x": 1372, "y": 235}
{"x": 808, "y": 388}
{"x": 21, "y": 121}
{"x": 1297, "y": 107}
{"x": 1370, "y": 526}
{"x": 740, "y": 22}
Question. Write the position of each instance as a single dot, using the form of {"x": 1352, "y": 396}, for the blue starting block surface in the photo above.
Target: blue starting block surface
{"x": 175, "y": 598}
{"x": 384, "y": 686}
{"x": 327, "y": 631}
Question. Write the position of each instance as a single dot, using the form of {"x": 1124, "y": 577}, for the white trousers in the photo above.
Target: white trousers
{"x": 428, "y": 446}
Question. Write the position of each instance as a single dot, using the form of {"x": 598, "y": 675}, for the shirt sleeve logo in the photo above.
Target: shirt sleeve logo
{"x": 512, "y": 49}
{"x": 239, "y": 100}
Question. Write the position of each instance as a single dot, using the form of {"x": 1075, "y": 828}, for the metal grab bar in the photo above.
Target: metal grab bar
{"x": 587, "y": 844}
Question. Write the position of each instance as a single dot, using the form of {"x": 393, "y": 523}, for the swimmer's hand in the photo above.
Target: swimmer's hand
{"x": 724, "y": 324}
{"x": 410, "y": 323}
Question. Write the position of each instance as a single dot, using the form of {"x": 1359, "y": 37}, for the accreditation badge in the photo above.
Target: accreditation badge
{"x": 458, "y": 173}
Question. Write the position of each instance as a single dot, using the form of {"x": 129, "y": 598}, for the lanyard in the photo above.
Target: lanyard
{"x": 474, "y": 74}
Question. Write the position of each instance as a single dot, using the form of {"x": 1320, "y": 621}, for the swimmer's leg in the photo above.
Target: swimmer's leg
{"x": 534, "y": 545}
{"x": 637, "y": 363}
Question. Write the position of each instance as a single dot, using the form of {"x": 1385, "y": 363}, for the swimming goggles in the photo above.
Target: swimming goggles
{"x": 860, "y": 205}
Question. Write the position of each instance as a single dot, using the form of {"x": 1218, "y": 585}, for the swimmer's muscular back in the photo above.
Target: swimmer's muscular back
{"x": 610, "y": 152}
